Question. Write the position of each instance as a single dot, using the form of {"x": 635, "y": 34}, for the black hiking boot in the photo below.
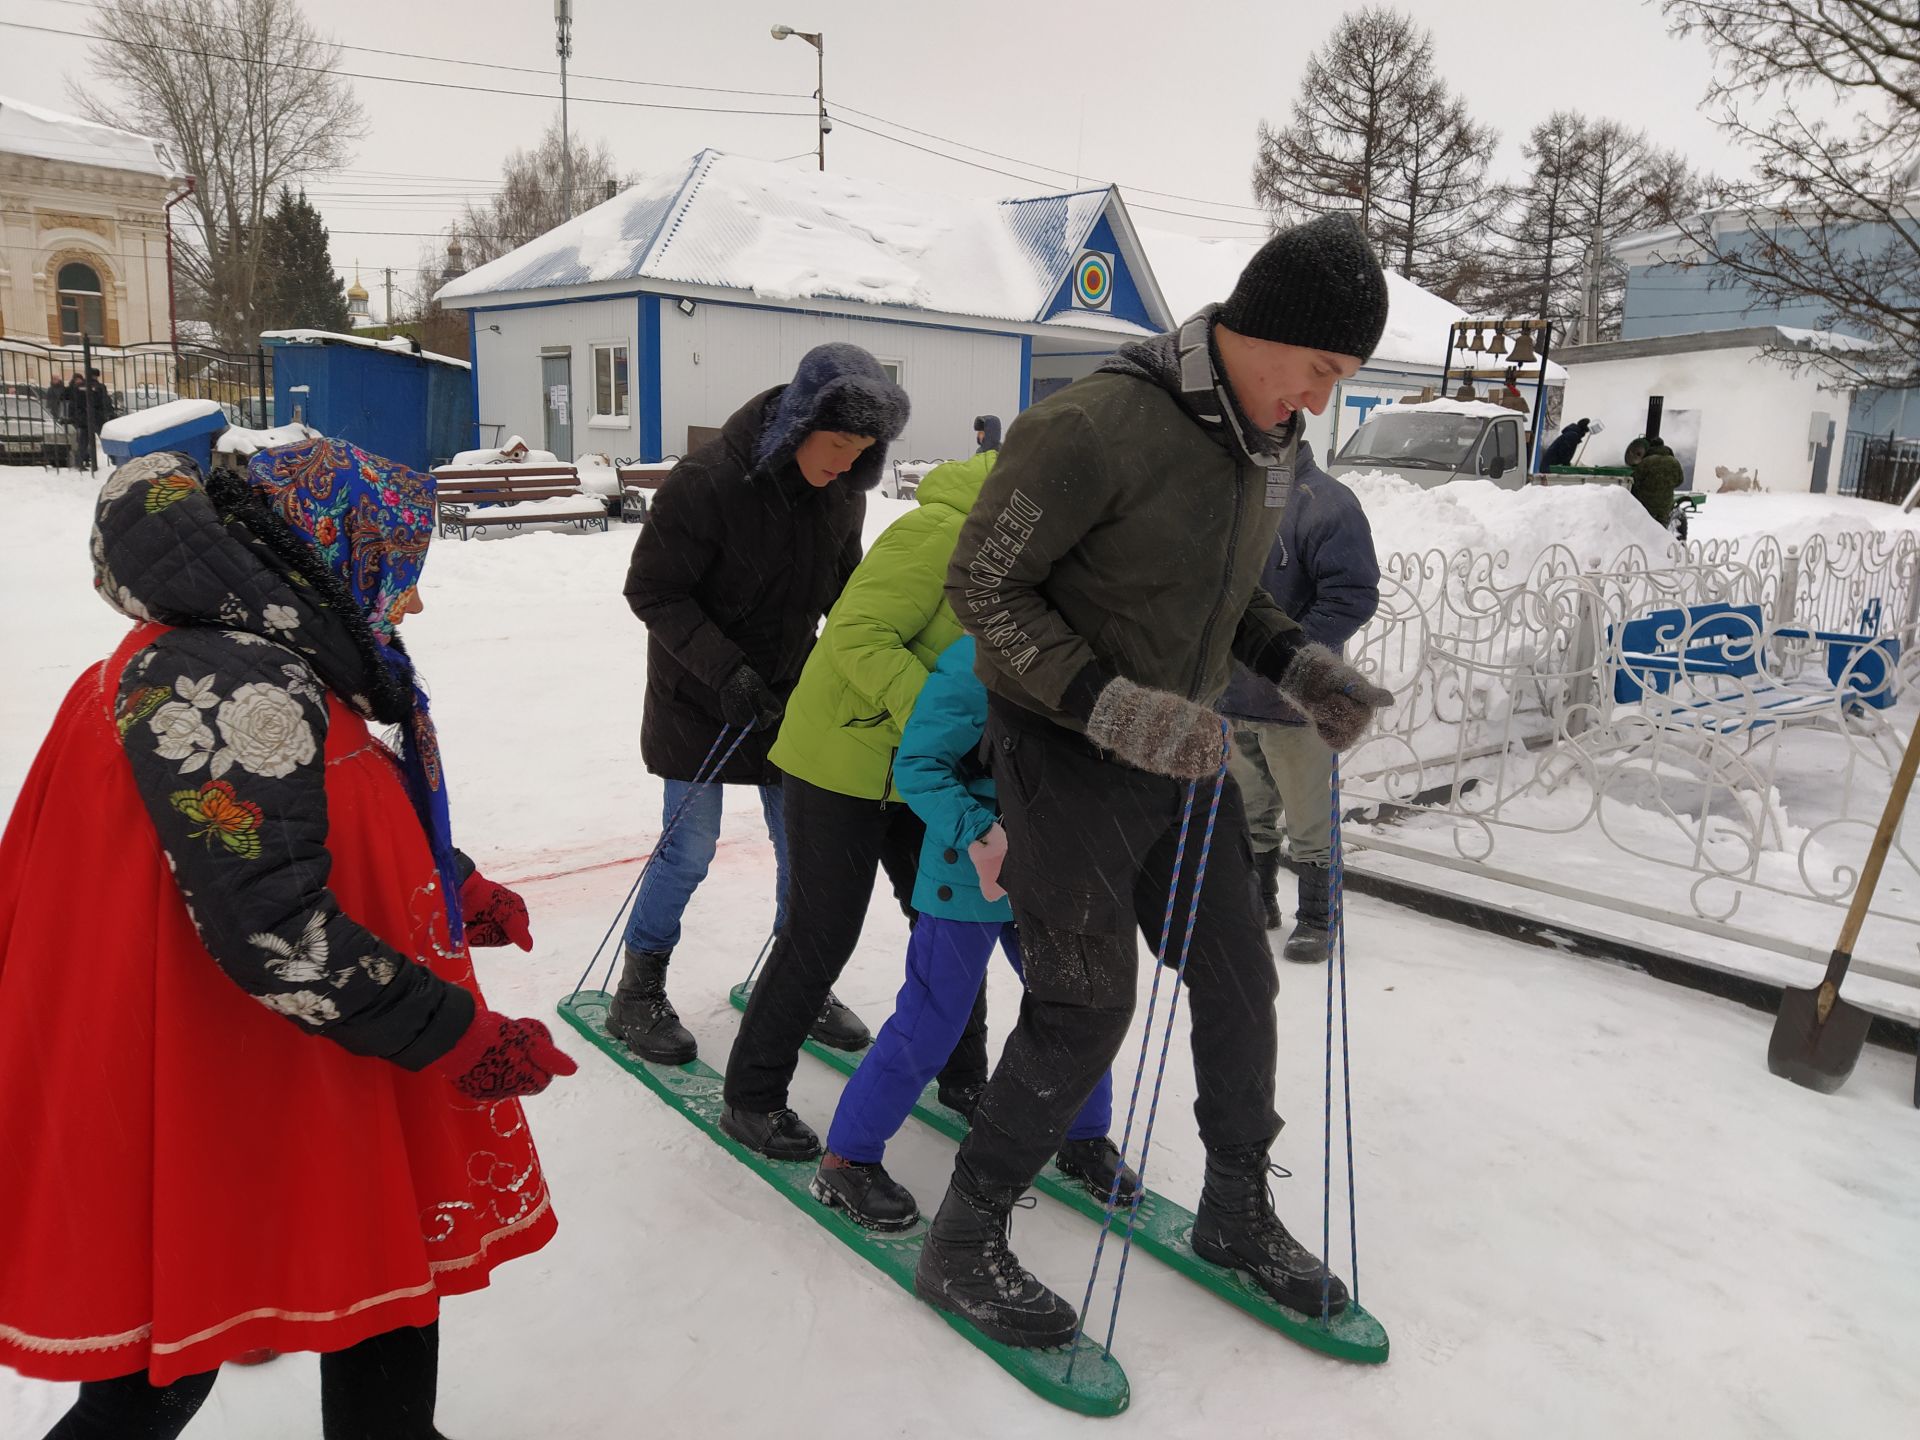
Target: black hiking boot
{"x": 963, "y": 1100}
{"x": 869, "y": 1195}
{"x": 1236, "y": 1227}
{"x": 839, "y": 1028}
{"x": 967, "y": 1269}
{"x": 777, "y": 1134}
{"x": 1267, "y": 870}
{"x": 1095, "y": 1163}
{"x": 1310, "y": 942}
{"x": 643, "y": 1017}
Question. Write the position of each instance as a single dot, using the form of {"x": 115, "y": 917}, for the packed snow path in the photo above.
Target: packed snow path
{"x": 1586, "y": 1209}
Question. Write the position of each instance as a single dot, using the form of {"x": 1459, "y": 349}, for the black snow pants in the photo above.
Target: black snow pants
{"x": 835, "y": 843}
{"x": 1090, "y": 851}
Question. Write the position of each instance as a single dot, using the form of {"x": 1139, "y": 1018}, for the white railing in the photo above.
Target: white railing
{"x": 1734, "y": 757}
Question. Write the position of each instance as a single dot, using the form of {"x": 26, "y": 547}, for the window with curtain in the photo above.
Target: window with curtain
{"x": 610, "y": 391}
{"x": 83, "y": 310}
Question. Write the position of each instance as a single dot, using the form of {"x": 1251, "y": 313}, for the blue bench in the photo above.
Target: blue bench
{"x": 1722, "y": 651}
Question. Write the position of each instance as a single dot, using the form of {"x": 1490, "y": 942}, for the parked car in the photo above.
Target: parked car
{"x": 1430, "y": 442}
{"x": 29, "y": 435}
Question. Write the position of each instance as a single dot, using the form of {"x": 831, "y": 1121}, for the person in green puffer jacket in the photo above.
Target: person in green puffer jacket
{"x": 844, "y": 814}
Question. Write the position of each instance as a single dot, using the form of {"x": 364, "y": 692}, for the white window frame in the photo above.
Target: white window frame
{"x": 898, "y": 368}
{"x": 599, "y": 420}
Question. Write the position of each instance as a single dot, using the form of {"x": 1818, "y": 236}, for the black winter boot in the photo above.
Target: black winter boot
{"x": 1266, "y": 864}
{"x": 1236, "y": 1227}
{"x": 963, "y": 1100}
{"x": 1095, "y": 1163}
{"x": 643, "y": 1017}
{"x": 839, "y": 1028}
{"x": 967, "y": 1269}
{"x": 869, "y": 1195}
{"x": 777, "y": 1134}
{"x": 1309, "y": 942}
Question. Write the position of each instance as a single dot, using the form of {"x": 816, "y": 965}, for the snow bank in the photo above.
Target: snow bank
{"x": 158, "y": 418}
{"x": 1595, "y": 522}
{"x": 1793, "y": 519}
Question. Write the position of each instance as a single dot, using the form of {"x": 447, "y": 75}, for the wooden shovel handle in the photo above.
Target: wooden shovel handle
{"x": 1877, "y": 855}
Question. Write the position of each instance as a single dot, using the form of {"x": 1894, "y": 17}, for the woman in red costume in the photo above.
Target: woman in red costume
{"x": 253, "y": 1098}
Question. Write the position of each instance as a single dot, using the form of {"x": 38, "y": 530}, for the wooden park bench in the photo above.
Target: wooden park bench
{"x": 509, "y": 496}
{"x": 638, "y": 481}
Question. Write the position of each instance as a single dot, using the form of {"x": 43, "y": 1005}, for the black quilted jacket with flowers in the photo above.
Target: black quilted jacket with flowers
{"x": 230, "y": 707}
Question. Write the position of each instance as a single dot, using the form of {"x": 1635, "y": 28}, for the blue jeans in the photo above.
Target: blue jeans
{"x": 946, "y": 961}
{"x": 678, "y": 866}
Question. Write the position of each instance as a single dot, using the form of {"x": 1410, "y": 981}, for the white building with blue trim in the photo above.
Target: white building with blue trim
{"x": 650, "y": 318}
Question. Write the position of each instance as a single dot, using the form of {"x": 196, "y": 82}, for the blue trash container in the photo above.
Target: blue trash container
{"x": 187, "y": 426}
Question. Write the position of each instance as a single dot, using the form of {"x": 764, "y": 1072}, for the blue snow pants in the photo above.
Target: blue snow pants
{"x": 946, "y": 963}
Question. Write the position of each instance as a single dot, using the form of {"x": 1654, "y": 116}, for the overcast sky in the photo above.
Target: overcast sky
{"x": 1160, "y": 94}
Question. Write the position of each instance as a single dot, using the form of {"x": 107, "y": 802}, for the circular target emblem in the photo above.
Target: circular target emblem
{"x": 1093, "y": 280}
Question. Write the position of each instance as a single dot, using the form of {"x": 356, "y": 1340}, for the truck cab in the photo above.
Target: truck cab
{"x": 1430, "y": 442}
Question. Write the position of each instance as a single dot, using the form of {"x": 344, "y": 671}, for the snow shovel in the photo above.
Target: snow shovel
{"x": 1817, "y": 1036}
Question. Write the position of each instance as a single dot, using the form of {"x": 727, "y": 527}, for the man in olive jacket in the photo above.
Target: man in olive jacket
{"x": 1110, "y": 574}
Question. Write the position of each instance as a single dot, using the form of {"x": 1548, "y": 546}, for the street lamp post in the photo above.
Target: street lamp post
{"x": 563, "y": 43}
{"x": 819, "y": 43}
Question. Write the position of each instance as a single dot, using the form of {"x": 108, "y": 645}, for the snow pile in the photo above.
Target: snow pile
{"x": 397, "y": 344}
{"x": 1486, "y": 409}
{"x": 511, "y": 453}
{"x": 241, "y": 442}
{"x": 49, "y": 135}
{"x": 157, "y": 419}
{"x": 1793, "y": 519}
{"x": 1596, "y": 523}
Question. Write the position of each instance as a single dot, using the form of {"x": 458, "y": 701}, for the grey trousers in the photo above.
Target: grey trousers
{"x": 1285, "y": 775}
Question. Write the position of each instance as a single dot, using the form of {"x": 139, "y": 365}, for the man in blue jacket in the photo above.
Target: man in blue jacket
{"x": 1323, "y": 573}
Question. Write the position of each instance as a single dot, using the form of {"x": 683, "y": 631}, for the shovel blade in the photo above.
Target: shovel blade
{"x": 1815, "y": 1052}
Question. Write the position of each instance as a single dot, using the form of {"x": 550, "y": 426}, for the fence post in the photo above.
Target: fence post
{"x": 260, "y": 372}
{"x": 1911, "y": 618}
{"x": 1583, "y": 690}
{"x": 89, "y": 410}
{"x": 1787, "y": 603}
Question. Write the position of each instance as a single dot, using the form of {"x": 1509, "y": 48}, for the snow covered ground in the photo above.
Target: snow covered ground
{"x": 1586, "y": 1209}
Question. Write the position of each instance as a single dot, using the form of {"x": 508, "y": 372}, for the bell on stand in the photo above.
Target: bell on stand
{"x": 1523, "y": 351}
{"x": 1466, "y": 391}
{"x": 1476, "y": 344}
{"x": 1498, "y": 345}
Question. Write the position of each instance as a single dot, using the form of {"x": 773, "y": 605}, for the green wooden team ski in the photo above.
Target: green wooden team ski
{"x": 1162, "y": 1230}
{"x": 1097, "y": 1386}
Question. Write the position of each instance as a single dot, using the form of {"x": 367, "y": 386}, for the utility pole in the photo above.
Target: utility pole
{"x": 819, "y": 43}
{"x": 563, "y": 27}
{"x": 389, "y": 295}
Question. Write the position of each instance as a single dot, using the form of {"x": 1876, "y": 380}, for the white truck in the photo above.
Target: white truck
{"x": 1430, "y": 442}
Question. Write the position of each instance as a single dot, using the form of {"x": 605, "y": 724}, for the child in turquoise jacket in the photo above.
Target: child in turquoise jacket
{"x": 963, "y": 914}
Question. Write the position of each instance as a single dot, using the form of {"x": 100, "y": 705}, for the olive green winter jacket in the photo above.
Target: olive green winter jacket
{"x": 884, "y": 634}
{"x": 1118, "y": 537}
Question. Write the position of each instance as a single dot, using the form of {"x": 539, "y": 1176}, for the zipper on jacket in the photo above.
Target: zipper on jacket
{"x": 1233, "y": 543}
{"x": 886, "y": 786}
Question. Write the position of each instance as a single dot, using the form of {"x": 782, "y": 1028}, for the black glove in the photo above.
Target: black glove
{"x": 1337, "y": 698}
{"x": 745, "y": 700}
{"x": 1157, "y": 731}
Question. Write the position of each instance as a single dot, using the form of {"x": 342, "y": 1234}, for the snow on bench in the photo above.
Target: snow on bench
{"x": 511, "y": 495}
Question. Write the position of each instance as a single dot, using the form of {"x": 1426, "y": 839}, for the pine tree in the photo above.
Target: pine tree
{"x": 1376, "y": 134}
{"x": 298, "y": 287}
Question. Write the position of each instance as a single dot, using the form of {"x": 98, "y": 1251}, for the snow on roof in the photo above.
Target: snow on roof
{"x": 1195, "y": 271}
{"x": 49, "y": 135}
{"x": 787, "y": 234}
{"x": 158, "y": 418}
{"x": 1483, "y": 408}
{"x": 398, "y": 344}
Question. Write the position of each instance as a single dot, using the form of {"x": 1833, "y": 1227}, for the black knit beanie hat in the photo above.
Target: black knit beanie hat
{"x": 1318, "y": 285}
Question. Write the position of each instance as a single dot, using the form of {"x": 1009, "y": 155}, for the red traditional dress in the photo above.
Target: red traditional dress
{"x": 184, "y": 1174}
